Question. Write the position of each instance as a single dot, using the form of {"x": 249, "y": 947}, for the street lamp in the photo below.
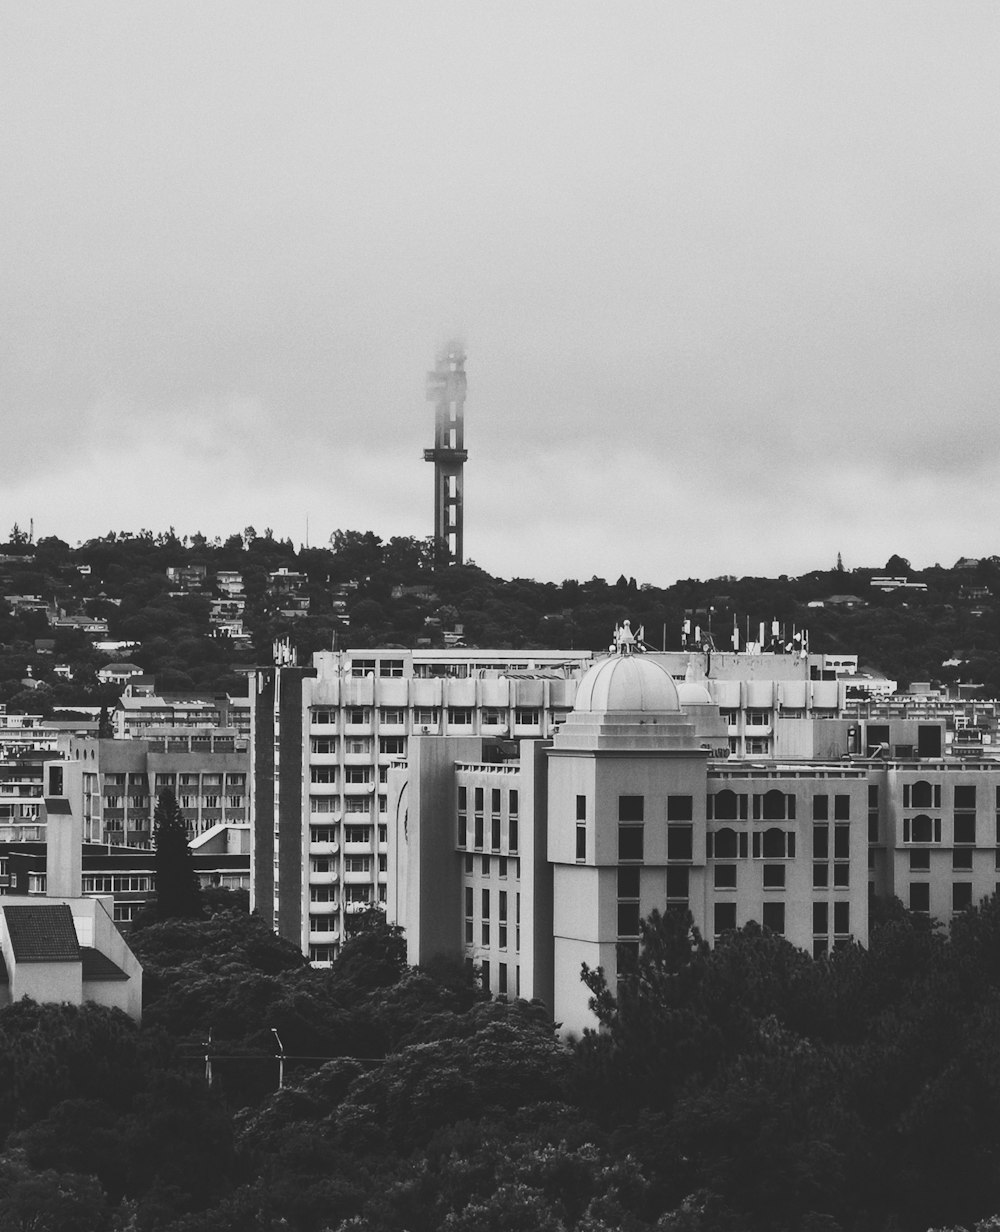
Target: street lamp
{"x": 281, "y": 1058}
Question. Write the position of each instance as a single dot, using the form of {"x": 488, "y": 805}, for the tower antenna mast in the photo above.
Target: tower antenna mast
{"x": 446, "y": 389}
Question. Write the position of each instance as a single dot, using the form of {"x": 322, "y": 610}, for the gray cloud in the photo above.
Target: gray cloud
{"x": 727, "y": 274}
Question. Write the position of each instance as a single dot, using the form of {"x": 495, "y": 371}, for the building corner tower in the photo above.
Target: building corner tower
{"x": 446, "y": 389}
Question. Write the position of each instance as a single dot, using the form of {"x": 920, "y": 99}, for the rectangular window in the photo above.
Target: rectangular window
{"x": 724, "y": 918}
{"x": 773, "y": 917}
{"x": 354, "y": 774}
{"x": 392, "y": 746}
{"x": 821, "y": 876}
{"x": 390, "y": 667}
{"x": 725, "y": 876}
{"x": 841, "y": 876}
{"x": 628, "y": 882}
{"x": 468, "y": 901}
{"x": 526, "y": 717}
{"x": 495, "y": 800}
{"x": 512, "y": 803}
{"x": 463, "y": 831}
{"x": 841, "y": 919}
{"x": 821, "y": 919}
{"x": 821, "y": 807}
{"x": 961, "y": 859}
{"x": 357, "y": 834}
{"x": 920, "y": 860}
{"x": 631, "y": 808}
{"x": 478, "y": 833}
{"x": 425, "y": 718}
{"x": 581, "y": 808}
{"x": 357, "y": 716}
{"x": 459, "y": 716}
{"x": 323, "y": 718}
{"x": 842, "y": 842}
{"x": 680, "y": 808}
{"x": 479, "y": 795}
{"x": 495, "y": 834}
{"x": 965, "y": 797}
{"x": 677, "y": 883}
{"x": 512, "y": 834}
{"x": 842, "y": 808}
{"x": 581, "y": 842}
{"x": 361, "y": 667}
{"x": 486, "y": 904}
{"x": 680, "y": 842}
{"x": 774, "y": 876}
{"x": 920, "y": 896}
{"x": 965, "y": 828}
{"x": 961, "y": 895}
{"x": 630, "y": 842}
{"x": 628, "y": 919}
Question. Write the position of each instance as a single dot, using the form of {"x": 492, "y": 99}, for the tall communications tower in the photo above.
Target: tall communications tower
{"x": 446, "y": 389}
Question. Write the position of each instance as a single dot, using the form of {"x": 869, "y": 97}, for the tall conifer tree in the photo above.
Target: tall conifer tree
{"x": 178, "y": 895}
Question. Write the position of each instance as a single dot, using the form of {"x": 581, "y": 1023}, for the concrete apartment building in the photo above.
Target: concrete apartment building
{"x": 323, "y": 740}
{"x": 530, "y": 862}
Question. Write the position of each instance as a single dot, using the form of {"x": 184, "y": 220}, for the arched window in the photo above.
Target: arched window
{"x": 773, "y": 844}
{"x": 725, "y": 806}
{"x": 774, "y": 806}
{"x": 921, "y": 828}
{"x": 725, "y": 843}
{"x": 921, "y": 796}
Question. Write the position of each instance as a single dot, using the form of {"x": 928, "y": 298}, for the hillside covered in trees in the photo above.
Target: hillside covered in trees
{"x": 361, "y": 591}
{"x": 749, "y": 1088}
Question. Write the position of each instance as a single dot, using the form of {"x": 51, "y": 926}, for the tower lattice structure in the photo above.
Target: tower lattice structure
{"x": 446, "y": 389}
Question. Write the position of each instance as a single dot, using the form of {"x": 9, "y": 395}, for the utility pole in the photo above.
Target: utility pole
{"x": 281, "y": 1059}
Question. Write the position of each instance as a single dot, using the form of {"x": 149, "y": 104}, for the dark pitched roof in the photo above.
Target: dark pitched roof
{"x": 42, "y": 933}
{"x": 97, "y": 966}
{"x": 4, "y": 975}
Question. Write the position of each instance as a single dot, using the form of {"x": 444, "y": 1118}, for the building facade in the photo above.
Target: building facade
{"x": 533, "y": 864}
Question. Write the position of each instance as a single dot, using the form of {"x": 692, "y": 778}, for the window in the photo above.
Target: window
{"x": 841, "y": 842}
{"x": 628, "y": 882}
{"x": 965, "y": 828}
{"x": 842, "y": 808}
{"x": 478, "y": 798}
{"x": 426, "y": 718}
{"x": 631, "y": 808}
{"x": 727, "y": 806}
{"x": 920, "y": 860}
{"x": 821, "y": 919}
{"x": 491, "y": 717}
{"x": 495, "y": 800}
{"x": 356, "y": 774}
{"x": 628, "y": 919}
{"x": 961, "y": 859}
{"x": 526, "y": 717}
{"x": 512, "y": 803}
{"x": 512, "y": 834}
{"x": 773, "y": 917}
{"x": 725, "y": 876}
{"x": 581, "y": 842}
{"x": 961, "y": 895}
{"x": 322, "y": 894}
{"x": 459, "y": 716}
{"x": 630, "y": 842}
{"x": 323, "y": 774}
{"x": 920, "y": 896}
{"x": 774, "y": 806}
{"x": 357, "y": 864}
{"x": 495, "y": 834}
{"x": 581, "y": 808}
{"x": 841, "y": 919}
{"x": 358, "y": 746}
{"x": 841, "y": 876}
{"x": 357, "y": 834}
{"x": 361, "y": 667}
{"x": 486, "y": 904}
{"x": 211, "y": 802}
{"x": 729, "y": 717}
{"x": 323, "y": 718}
{"x": 965, "y": 797}
{"x": 356, "y": 716}
{"x": 758, "y": 718}
{"x": 392, "y": 746}
{"x": 724, "y": 918}
{"x": 355, "y": 804}
{"x": 680, "y": 842}
{"x": 821, "y": 876}
{"x": 758, "y": 746}
{"x": 821, "y": 808}
{"x": 677, "y": 883}
{"x": 680, "y": 808}
{"x": 390, "y": 667}
{"x": 821, "y": 842}
{"x": 322, "y": 834}
{"x": 724, "y": 844}
{"x": 774, "y": 876}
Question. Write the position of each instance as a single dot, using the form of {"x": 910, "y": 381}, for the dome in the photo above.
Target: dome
{"x": 626, "y": 683}
{"x": 693, "y": 693}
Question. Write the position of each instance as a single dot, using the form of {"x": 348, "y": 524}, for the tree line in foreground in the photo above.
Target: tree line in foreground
{"x": 742, "y": 1088}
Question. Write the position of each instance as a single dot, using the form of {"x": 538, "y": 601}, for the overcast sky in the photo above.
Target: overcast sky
{"x": 726, "y": 273}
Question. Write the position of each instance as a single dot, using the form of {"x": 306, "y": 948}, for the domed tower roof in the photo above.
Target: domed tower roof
{"x": 629, "y": 684}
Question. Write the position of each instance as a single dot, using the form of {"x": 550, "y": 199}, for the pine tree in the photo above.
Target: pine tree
{"x": 178, "y": 895}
